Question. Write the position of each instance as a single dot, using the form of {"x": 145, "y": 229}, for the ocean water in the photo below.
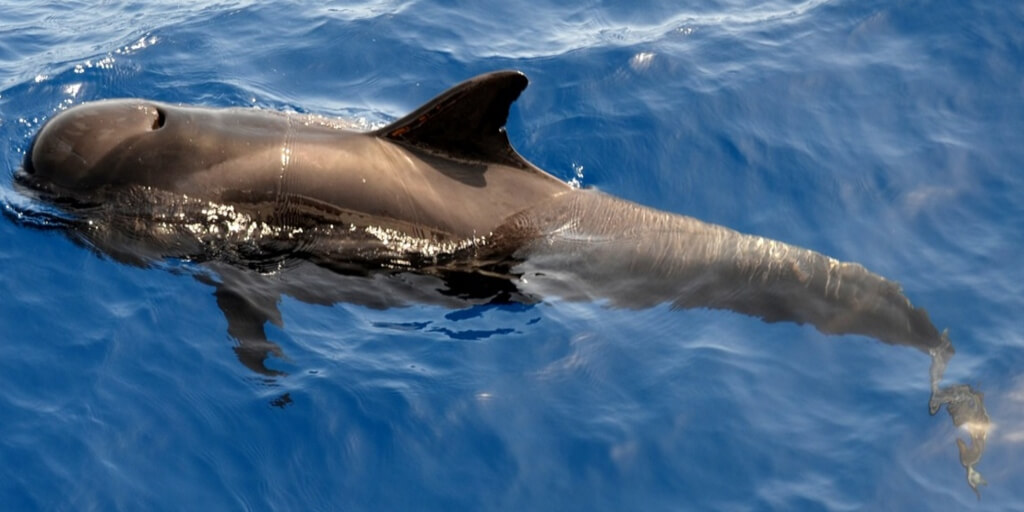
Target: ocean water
{"x": 885, "y": 133}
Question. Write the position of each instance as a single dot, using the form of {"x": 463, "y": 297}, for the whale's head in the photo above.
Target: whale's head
{"x": 81, "y": 148}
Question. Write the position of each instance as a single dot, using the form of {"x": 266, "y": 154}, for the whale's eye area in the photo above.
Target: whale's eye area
{"x": 161, "y": 118}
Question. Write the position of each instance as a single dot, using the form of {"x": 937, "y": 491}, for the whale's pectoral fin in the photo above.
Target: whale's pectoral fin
{"x": 247, "y": 309}
{"x": 246, "y": 317}
{"x": 466, "y": 122}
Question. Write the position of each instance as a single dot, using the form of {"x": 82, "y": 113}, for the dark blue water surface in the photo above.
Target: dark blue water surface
{"x": 889, "y": 133}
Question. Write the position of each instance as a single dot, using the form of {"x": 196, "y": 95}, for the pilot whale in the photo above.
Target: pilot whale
{"x": 436, "y": 207}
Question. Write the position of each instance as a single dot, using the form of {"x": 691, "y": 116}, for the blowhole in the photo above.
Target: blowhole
{"x": 160, "y": 119}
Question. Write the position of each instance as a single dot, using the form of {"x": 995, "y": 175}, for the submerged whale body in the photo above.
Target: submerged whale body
{"x": 436, "y": 207}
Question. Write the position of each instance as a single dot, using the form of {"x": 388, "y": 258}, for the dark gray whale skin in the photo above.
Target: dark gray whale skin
{"x": 436, "y": 207}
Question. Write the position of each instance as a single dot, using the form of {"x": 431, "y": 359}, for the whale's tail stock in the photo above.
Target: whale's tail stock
{"x": 590, "y": 246}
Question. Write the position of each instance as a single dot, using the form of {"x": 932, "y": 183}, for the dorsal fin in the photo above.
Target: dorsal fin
{"x": 466, "y": 122}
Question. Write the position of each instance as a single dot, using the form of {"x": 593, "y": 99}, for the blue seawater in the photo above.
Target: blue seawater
{"x": 890, "y": 133}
